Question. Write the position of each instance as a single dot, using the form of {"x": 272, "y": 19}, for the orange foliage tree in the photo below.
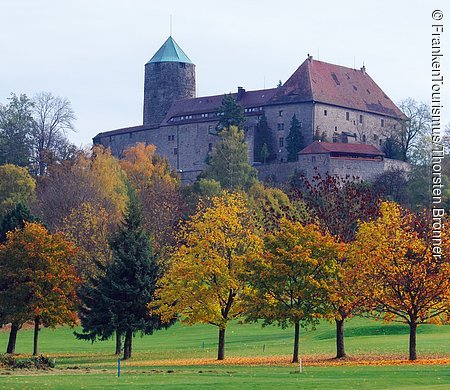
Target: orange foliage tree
{"x": 405, "y": 282}
{"x": 37, "y": 283}
{"x": 158, "y": 189}
{"x": 203, "y": 283}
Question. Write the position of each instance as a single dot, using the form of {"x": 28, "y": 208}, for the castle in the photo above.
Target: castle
{"x": 340, "y": 105}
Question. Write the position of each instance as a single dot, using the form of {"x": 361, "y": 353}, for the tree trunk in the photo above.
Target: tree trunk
{"x": 340, "y": 349}
{"x": 118, "y": 343}
{"x": 412, "y": 340}
{"x": 11, "y": 348}
{"x": 221, "y": 350}
{"x": 296, "y": 342}
{"x": 127, "y": 345}
{"x": 37, "y": 322}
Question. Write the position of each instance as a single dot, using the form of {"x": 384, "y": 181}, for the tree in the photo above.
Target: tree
{"x": 264, "y": 142}
{"x": 408, "y": 279}
{"x": 16, "y": 186}
{"x": 158, "y": 190}
{"x": 417, "y": 124}
{"x": 53, "y": 117}
{"x": 15, "y": 219}
{"x": 229, "y": 162}
{"x": 203, "y": 282}
{"x": 392, "y": 185}
{"x": 94, "y": 177}
{"x": 231, "y": 113}
{"x": 294, "y": 140}
{"x": 391, "y": 148}
{"x": 36, "y": 280}
{"x": 338, "y": 205}
{"x": 16, "y": 122}
{"x": 289, "y": 282}
{"x": 118, "y": 300}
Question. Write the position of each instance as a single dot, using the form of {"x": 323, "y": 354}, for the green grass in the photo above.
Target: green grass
{"x": 96, "y": 364}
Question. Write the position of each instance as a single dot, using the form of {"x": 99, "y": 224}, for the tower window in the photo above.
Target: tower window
{"x": 281, "y": 142}
{"x": 182, "y": 65}
{"x": 347, "y": 116}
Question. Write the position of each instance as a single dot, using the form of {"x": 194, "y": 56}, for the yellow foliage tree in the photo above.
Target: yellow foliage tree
{"x": 406, "y": 283}
{"x": 290, "y": 282}
{"x": 157, "y": 187}
{"x": 16, "y": 186}
{"x": 203, "y": 283}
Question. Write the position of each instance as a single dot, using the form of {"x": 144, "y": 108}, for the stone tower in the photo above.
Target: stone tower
{"x": 169, "y": 76}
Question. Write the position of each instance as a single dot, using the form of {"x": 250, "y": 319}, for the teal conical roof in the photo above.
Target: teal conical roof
{"x": 170, "y": 52}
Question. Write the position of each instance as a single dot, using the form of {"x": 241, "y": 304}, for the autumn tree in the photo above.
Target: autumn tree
{"x": 36, "y": 280}
{"x": 294, "y": 141}
{"x": 94, "y": 177}
{"x": 158, "y": 189}
{"x": 53, "y": 117}
{"x": 229, "y": 162}
{"x": 289, "y": 282}
{"x": 16, "y": 186}
{"x": 16, "y": 122}
{"x": 408, "y": 279}
{"x": 118, "y": 301}
{"x": 338, "y": 205}
{"x": 203, "y": 282}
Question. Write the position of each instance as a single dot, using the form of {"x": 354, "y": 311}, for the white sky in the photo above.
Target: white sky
{"x": 93, "y": 51}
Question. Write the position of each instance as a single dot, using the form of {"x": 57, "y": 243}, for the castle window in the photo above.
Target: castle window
{"x": 395, "y": 126}
{"x": 325, "y": 112}
{"x": 382, "y": 123}
{"x": 280, "y": 126}
{"x": 347, "y": 116}
{"x": 364, "y": 138}
{"x": 210, "y": 129}
{"x": 280, "y": 113}
{"x": 182, "y": 65}
{"x": 335, "y": 128}
{"x": 171, "y": 138}
{"x": 313, "y": 159}
{"x": 360, "y": 119}
{"x": 375, "y": 137}
{"x": 335, "y": 137}
{"x": 381, "y": 142}
{"x": 175, "y": 151}
{"x": 281, "y": 142}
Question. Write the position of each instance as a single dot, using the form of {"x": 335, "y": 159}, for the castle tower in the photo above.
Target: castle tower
{"x": 169, "y": 76}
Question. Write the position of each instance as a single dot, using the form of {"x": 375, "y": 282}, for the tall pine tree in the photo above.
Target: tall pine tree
{"x": 294, "y": 140}
{"x": 264, "y": 142}
{"x": 117, "y": 301}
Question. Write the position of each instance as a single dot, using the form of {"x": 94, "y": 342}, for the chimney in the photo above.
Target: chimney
{"x": 240, "y": 93}
{"x": 310, "y": 57}
{"x": 363, "y": 69}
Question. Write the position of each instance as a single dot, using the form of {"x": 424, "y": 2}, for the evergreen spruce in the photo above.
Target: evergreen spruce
{"x": 263, "y": 136}
{"x": 231, "y": 113}
{"x": 15, "y": 218}
{"x": 117, "y": 300}
{"x": 294, "y": 140}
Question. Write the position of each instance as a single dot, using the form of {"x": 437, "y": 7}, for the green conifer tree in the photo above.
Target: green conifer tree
{"x": 263, "y": 136}
{"x": 117, "y": 301}
{"x": 231, "y": 113}
{"x": 294, "y": 140}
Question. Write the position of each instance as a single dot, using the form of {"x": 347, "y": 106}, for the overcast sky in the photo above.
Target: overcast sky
{"x": 93, "y": 51}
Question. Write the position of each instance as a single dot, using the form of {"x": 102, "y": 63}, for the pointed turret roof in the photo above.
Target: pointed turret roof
{"x": 170, "y": 52}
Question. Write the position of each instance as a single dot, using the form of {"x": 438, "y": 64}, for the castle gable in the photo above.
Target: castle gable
{"x": 337, "y": 85}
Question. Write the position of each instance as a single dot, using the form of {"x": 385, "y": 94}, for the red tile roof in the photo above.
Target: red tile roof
{"x": 337, "y": 85}
{"x": 318, "y": 147}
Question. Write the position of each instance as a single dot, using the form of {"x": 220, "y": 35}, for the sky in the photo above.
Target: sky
{"x": 93, "y": 51}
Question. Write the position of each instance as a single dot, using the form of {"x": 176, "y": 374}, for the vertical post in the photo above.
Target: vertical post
{"x": 118, "y": 368}
{"x": 300, "y": 365}
{"x": 203, "y": 345}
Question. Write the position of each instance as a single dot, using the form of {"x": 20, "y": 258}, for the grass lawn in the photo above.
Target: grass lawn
{"x": 81, "y": 364}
